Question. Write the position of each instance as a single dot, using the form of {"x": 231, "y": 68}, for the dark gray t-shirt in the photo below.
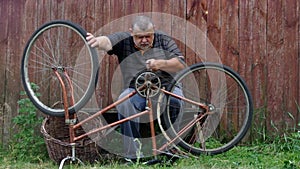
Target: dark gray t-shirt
{"x": 133, "y": 62}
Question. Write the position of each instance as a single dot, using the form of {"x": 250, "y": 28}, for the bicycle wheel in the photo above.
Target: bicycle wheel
{"x": 230, "y": 109}
{"x": 58, "y": 46}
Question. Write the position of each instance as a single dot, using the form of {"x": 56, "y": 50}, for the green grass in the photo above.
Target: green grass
{"x": 256, "y": 156}
{"x": 27, "y": 150}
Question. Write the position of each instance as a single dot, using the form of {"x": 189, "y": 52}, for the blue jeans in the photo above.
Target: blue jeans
{"x": 130, "y": 129}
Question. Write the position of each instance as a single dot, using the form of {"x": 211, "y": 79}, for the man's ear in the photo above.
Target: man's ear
{"x": 131, "y": 31}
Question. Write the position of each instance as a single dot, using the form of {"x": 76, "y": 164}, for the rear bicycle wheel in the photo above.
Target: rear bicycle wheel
{"x": 230, "y": 104}
{"x": 61, "y": 46}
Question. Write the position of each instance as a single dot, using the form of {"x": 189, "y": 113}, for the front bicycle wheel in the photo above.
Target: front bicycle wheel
{"x": 59, "y": 46}
{"x": 226, "y": 122}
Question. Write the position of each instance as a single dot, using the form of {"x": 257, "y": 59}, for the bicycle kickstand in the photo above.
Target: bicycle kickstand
{"x": 73, "y": 158}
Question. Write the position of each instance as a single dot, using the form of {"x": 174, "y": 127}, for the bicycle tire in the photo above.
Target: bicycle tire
{"x": 226, "y": 92}
{"x": 59, "y": 44}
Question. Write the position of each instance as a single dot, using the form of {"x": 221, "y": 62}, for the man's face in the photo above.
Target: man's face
{"x": 143, "y": 39}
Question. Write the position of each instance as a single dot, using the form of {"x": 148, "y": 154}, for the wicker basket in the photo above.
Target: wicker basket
{"x": 56, "y": 135}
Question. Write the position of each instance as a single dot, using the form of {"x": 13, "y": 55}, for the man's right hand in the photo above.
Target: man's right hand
{"x": 102, "y": 42}
{"x": 92, "y": 40}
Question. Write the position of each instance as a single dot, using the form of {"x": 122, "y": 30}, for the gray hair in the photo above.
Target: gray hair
{"x": 142, "y": 22}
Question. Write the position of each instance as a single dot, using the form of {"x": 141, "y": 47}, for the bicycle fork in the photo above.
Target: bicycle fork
{"x": 68, "y": 120}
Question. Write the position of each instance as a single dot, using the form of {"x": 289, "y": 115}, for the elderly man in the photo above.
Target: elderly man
{"x": 142, "y": 48}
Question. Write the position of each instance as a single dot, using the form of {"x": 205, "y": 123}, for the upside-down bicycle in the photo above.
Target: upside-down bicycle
{"x": 216, "y": 113}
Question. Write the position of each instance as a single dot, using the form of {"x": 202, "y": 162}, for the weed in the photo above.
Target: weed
{"x": 138, "y": 153}
{"x": 27, "y": 144}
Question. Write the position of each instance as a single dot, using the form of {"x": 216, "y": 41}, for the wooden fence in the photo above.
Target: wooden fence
{"x": 258, "y": 38}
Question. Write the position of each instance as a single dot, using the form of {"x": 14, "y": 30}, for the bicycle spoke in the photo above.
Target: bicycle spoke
{"x": 230, "y": 109}
{"x": 59, "y": 46}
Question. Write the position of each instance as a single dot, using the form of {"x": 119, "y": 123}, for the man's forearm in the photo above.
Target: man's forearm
{"x": 171, "y": 65}
{"x": 101, "y": 42}
{"x": 104, "y": 43}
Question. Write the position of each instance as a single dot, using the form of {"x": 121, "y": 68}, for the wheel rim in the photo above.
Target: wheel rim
{"x": 62, "y": 47}
{"x": 217, "y": 132}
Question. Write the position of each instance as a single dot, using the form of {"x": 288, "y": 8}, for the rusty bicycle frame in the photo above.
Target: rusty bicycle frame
{"x": 71, "y": 121}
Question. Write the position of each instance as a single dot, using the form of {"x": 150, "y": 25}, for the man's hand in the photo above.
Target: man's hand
{"x": 102, "y": 42}
{"x": 153, "y": 64}
{"x": 92, "y": 40}
{"x": 171, "y": 65}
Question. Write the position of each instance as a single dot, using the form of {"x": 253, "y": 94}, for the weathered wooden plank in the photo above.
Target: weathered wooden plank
{"x": 204, "y": 42}
{"x": 57, "y": 10}
{"x": 275, "y": 66}
{"x": 31, "y": 15}
{"x": 229, "y": 33}
{"x": 120, "y": 23}
{"x": 298, "y": 37}
{"x": 252, "y": 56}
{"x": 15, "y": 20}
{"x": 85, "y": 18}
{"x": 131, "y": 7}
{"x": 88, "y": 23}
{"x": 179, "y": 24}
{"x": 245, "y": 38}
{"x": 104, "y": 17}
{"x": 196, "y": 11}
{"x": 161, "y": 15}
{"x": 258, "y": 65}
{"x": 229, "y": 55}
{"x": 259, "y": 55}
{"x": 3, "y": 49}
{"x": 99, "y": 14}
{"x": 191, "y": 29}
{"x": 6, "y": 126}
{"x": 86, "y": 14}
{"x": 30, "y": 23}
{"x": 72, "y": 11}
{"x": 291, "y": 66}
{"x": 43, "y": 12}
{"x": 118, "y": 12}
{"x": 213, "y": 29}
{"x": 145, "y": 6}
{"x": 215, "y": 32}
